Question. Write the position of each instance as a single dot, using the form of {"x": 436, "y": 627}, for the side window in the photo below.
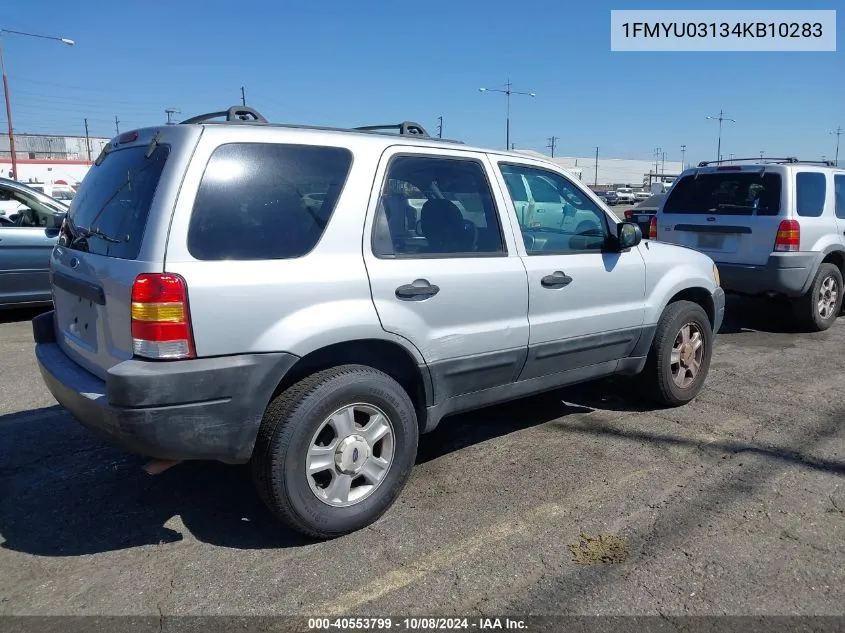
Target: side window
{"x": 436, "y": 207}
{"x": 265, "y": 200}
{"x": 810, "y": 190}
{"x": 559, "y": 218}
{"x": 839, "y": 194}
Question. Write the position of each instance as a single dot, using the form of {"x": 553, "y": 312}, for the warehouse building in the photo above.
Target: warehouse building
{"x": 49, "y": 157}
{"x": 612, "y": 172}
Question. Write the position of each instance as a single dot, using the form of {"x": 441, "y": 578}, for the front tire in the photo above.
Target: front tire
{"x": 817, "y": 310}
{"x": 680, "y": 354}
{"x": 335, "y": 450}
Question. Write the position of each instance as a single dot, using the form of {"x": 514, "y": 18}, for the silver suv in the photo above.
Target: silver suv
{"x": 774, "y": 227}
{"x": 311, "y": 300}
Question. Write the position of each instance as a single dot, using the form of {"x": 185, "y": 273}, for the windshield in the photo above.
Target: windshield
{"x": 20, "y": 208}
{"x": 114, "y": 200}
{"x": 727, "y": 193}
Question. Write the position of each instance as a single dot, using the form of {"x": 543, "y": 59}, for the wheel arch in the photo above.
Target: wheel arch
{"x": 387, "y": 356}
{"x": 698, "y": 295}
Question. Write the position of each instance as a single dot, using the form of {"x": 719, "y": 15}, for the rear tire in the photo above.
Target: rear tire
{"x": 679, "y": 358}
{"x": 335, "y": 450}
{"x": 817, "y": 310}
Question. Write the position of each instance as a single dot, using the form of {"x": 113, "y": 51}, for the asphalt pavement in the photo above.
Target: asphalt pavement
{"x": 582, "y": 501}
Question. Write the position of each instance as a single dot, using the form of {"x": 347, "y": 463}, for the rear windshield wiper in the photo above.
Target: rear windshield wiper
{"x": 86, "y": 233}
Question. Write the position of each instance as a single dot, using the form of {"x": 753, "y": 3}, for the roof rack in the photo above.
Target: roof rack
{"x": 790, "y": 160}
{"x": 406, "y": 128}
{"x": 235, "y": 114}
{"x": 243, "y": 114}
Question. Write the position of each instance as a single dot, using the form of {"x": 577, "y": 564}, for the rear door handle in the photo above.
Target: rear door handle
{"x": 417, "y": 291}
{"x": 558, "y": 279}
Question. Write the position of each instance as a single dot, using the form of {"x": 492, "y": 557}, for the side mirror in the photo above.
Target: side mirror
{"x": 629, "y": 235}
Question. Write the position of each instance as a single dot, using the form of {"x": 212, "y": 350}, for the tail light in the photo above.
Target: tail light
{"x": 629, "y": 213}
{"x": 789, "y": 236}
{"x": 652, "y": 228}
{"x": 161, "y": 322}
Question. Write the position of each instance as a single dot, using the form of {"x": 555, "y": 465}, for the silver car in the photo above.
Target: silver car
{"x": 29, "y": 227}
{"x": 248, "y": 292}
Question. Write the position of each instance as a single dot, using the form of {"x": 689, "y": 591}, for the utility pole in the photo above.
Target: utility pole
{"x": 837, "y": 132}
{"x": 170, "y": 112}
{"x": 663, "y": 164}
{"x": 87, "y": 141}
{"x": 552, "y": 143}
{"x": 440, "y": 127}
{"x": 761, "y": 154}
{"x": 508, "y": 92}
{"x": 116, "y": 125}
{"x": 720, "y": 118}
{"x": 657, "y": 151}
{"x": 683, "y": 154}
{"x": 243, "y": 97}
{"x": 596, "y": 182}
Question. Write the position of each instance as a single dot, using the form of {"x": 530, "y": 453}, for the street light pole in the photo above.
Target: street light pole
{"x": 683, "y": 153}
{"x": 508, "y": 92}
{"x": 720, "y": 118}
{"x": 63, "y": 40}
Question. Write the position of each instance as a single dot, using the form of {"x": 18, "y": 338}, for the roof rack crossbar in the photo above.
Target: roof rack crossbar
{"x": 235, "y": 114}
{"x": 789, "y": 160}
{"x": 406, "y": 128}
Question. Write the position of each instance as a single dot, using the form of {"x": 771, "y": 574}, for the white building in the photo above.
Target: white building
{"x": 611, "y": 171}
{"x": 49, "y": 157}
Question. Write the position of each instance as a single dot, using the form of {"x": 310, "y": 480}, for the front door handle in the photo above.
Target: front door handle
{"x": 558, "y": 279}
{"x": 417, "y": 291}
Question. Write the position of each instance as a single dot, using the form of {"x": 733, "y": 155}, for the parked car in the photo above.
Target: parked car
{"x": 62, "y": 192}
{"x": 345, "y": 350}
{"x": 639, "y": 196}
{"x": 774, "y": 227}
{"x": 644, "y": 211}
{"x": 611, "y": 198}
{"x": 625, "y": 195}
{"x": 29, "y": 228}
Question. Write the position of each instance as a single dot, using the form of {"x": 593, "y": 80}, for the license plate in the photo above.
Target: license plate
{"x": 710, "y": 241}
{"x": 643, "y": 218}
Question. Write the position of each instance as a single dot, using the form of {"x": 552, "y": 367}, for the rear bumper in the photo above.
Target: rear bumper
{"x": 207, "y": 408}
{"x": 784, "y": 273}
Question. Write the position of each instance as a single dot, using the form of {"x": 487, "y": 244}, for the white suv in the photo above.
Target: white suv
{"x": 774, "y": 227}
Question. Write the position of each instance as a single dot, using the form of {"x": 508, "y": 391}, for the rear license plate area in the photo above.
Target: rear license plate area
{"x": 710, "y": 241}
{"x": 78, "y": 319}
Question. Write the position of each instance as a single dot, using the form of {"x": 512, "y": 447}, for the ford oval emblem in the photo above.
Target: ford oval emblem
{"x": 74, "y": 262}
{"x": 711, "y": 219}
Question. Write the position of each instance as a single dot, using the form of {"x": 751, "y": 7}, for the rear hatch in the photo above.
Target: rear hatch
{"x": 115, "y": 230}
{"x": 731, "y": 213}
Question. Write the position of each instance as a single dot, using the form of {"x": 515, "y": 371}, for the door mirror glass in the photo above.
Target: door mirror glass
{"x": 629, "y": 235}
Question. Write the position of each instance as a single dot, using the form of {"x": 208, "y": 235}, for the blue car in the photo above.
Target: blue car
{"x": 29, "y": 229}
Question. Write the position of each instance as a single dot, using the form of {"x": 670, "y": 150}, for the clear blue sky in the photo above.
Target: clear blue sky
{"x": 347, "y": 63}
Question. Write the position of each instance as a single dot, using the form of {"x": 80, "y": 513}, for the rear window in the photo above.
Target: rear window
{"x": 726, "y": 193}
{"x": 839, "y": 194}
{"x": 810, "y": 191}
{"x": 114, "y": 200}
{"x": 266, "y": 200}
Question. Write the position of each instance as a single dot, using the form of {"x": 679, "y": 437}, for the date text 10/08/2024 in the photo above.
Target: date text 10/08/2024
{"x": 416, "y": 624}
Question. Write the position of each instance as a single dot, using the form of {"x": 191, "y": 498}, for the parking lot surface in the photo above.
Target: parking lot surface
{"x": 582, "y": 501}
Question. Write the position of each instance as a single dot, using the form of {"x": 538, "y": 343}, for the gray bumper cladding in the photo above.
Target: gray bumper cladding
{"x": 207, "y": 408}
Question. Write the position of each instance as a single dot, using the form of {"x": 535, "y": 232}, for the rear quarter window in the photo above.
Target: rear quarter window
{"x": 266, "y": 200}
{"x": 839, "y": 194}
{"x": 810, "y": 192}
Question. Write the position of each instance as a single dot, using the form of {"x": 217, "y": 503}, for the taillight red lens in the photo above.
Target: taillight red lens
{"x": 652, "y": 228}
{"x": 789, "y": 236}
{"x": 127, "y": 137}
{"x": 161, "y": 322}
{"x": 629, "y": 213}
